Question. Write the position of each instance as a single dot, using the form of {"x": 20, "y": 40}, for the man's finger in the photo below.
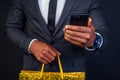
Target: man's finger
{"x": 89, "y": 22}
{"x": 50, "y": 56}
{"x": 42, "y": 60}
{"x": 76, "y": 39}
{"x": 45, "y": 57}
{"x": 77, "y": 43}
{"x": 58, "y": 53}
{"x": 77, "y": 29}
{"x": 84, "y": 34}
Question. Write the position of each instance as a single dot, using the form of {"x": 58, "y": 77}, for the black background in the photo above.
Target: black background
{"x": 105, "y": 66}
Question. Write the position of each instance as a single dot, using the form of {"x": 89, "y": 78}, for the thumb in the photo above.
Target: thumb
{"x": 89, "y": 22}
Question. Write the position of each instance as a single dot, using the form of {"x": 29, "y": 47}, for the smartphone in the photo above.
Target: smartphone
{"x": 79, "y": 19}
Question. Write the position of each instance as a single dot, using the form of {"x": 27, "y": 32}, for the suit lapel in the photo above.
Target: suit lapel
{"x": 38, "y": 15}
{"x": 65, "y": 13}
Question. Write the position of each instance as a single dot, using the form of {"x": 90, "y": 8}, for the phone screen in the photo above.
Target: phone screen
{"x": 79, "y": 19}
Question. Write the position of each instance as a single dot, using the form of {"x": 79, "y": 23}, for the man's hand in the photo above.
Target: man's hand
{"x": 43, "y": 52}
{"x": 82, "y": 36}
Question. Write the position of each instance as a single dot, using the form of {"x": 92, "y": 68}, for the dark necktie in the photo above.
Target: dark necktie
{"x": 51, "y": 16}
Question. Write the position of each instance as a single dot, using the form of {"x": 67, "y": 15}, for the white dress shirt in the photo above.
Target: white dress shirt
{"x": 44, "y": 6}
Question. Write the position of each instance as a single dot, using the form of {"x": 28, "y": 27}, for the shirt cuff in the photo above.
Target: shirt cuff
{"x": 30, "y": 45}
{"x": 97, "y": 43}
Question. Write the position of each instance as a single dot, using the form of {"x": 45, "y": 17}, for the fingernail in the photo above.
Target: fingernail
{"x": 66, "y": 26}
{"x": 90, "y": 19}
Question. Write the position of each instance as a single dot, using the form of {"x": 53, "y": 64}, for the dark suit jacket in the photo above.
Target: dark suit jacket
{"x": 25, "y": 23}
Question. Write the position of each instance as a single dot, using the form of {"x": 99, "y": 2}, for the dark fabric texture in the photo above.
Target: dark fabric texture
{"x": 25, "y": 23}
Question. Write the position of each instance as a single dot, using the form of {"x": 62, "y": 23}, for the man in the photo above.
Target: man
{"x": 28, "y": 27}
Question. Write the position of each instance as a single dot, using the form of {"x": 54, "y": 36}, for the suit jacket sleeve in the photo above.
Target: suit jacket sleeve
{"x": 99, "y": 24}
{"x": 15, "y": 26}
